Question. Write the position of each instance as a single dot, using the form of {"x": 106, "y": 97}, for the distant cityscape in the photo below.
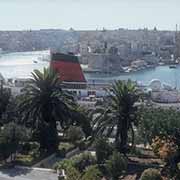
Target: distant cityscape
{"x": 103, "y": 51}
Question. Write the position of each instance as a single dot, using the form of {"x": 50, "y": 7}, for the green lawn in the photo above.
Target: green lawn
{"x": 66, "y": 145}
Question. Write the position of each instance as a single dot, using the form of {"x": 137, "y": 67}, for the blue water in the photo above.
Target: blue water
{"x": 20, "y": 65}
{"x": 163, "y": 73}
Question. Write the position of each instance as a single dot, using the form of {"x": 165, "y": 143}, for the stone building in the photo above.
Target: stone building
{"x": 105, "y": 62}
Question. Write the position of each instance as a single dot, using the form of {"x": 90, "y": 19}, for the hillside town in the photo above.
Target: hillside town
{"x": 104, "y": 51}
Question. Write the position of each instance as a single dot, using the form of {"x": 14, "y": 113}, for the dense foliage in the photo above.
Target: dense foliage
{"x": 160, "y": 128}
{"x": 72, "y": 173}
{"x": 80, "y": 162}
{"x": 118, "y": 114}
{"x": 43, "y": 104}
{"x": 164, "y": 147}
{"x": 81, "y": 118}
{"x": 92, "y": 173}
{"x": 4, "y": 100}
{"x": 116, "y": 165}
{"x": 75, "y": 134}
{"x": 11, "y": 135}
{"x": 103, "y": 150}
{"x": 154, "y": 122}
{"x": 151, "y": 174}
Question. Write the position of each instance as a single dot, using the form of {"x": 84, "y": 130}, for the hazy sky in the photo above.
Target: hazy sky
{"x": 89, "y": 14}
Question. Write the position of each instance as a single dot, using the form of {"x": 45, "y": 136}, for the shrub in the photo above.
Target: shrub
{"x": 151, "y": 174}
{"x": 75, "y": 134}
{"x": 83, "y": 160}
{"x": 81, "y": 145}
{"x": 63, "y": 149}
{"x": 72, "y": 173}
{"x": 64, "y": 164}
{"x": 92, "y": 173}
{"x": 61, "y": 153}
{"x": 157, "y": 122}
{"x": 11, "y": 136}
{"x": 29, "y": 147}
{"x": 116, "y": 165}
{"x": 164, "y": 148}
{"x": 26, "y": 148}
{"x": 135, "y": 151}
{"x": 103, "y": 150}
{"x": 80, "y": 162}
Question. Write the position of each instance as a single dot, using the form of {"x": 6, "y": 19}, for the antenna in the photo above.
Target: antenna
{"x": 176, "y": 28}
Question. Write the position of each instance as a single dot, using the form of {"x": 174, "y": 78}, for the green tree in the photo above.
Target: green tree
{"x": 75, "y": 134}
{"x": 10, "y": 137}
{"x": 151, "y": 174}
{"x": 118, "y": 114}
{"x": 11, "y": 113}
{"x": 157, "y": 122}
{"x": 72, "y": 173}
{"x": 92, "y": 173}
{"x": 103, "y": 150}
{"x": 116, "y": 165}
{"x": 4, "y": 100}
{"x": 43, "y": 104}
{"x": 81, "y": 118}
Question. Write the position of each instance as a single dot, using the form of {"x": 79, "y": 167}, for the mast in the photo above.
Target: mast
{"x": 177, "y": 43}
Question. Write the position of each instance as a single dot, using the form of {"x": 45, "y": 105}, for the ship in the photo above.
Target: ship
{"x": 173, "y": 62}
{"x": 35, "y": 62}
{"x": 69, "y": 70}
{"x": 172, "y": 66}
{"x": 72, "y": 76}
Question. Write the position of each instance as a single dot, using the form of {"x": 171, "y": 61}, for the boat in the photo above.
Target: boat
{"x": 128, "y": 70}
{"x": 161, "y": 64}
{"x": 35, "y": 62}
{"x": 172, "y": 66}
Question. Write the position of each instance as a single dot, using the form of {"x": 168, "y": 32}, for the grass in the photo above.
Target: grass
{"x": 66, "y": 146}
{"x": 34, "y": 157}
{"x": 30, "y": 159}
{"x": 26, "y": 160}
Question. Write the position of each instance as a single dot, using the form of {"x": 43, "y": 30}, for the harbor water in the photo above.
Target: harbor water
{"x": 21, "y": 64}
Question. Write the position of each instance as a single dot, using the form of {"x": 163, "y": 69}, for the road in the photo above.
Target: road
{"x": 26, "y": 174}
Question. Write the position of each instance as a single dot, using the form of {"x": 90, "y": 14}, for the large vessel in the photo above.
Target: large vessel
{"x": 69, "y": 69}
{"x": 72, "y": 77}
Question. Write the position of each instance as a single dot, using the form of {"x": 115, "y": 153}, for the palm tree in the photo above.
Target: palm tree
{"x": 81, "y": 118}
{"x": 43, "y": 104}
{"x": 117, "y": 115}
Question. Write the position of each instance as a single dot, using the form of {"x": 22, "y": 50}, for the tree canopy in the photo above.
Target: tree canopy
{"x": 43, "y": 104}
{"x": 117, "y": 114}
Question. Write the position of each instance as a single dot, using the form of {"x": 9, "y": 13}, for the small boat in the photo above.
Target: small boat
{"x": 128, "y": 70}
{"x": 35, "y": 62}
{"x": 161, "y": 63}
{"x": 172, "y": 66}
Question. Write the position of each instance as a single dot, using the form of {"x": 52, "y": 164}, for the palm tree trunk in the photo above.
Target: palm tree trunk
{"x": 124, "y": 136}
{"x": 54, "y": 136}
{"x": 118, "y": 138}
{"x": 133, "y": 135}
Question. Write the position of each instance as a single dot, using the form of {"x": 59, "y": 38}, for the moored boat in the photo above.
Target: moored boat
{"x": 172, "y": 66}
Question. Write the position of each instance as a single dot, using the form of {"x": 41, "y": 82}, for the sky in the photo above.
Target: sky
{"x": 89, "y": 14}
